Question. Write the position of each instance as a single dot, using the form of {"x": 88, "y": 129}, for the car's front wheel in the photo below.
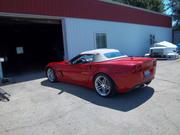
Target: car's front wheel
{"x": 104, "y": 85}
{"x": 51, "y": 75}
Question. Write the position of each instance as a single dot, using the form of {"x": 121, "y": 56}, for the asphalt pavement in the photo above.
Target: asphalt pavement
{"x": 37, "y": 107}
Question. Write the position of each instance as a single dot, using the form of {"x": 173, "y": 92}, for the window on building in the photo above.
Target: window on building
{"x": 101, "y": 40}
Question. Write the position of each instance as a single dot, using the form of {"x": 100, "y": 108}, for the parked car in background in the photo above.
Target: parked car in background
{"x": 106, "y": 70}
{"x": 163, "y": 50}
{"x": 178, "y": 48}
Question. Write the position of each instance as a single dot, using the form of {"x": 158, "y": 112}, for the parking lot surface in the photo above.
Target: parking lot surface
{"x": 37, "y": 107}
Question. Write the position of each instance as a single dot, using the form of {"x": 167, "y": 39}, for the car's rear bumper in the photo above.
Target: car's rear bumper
{"x": 140, "y": 85}
{"x": 125, "y": 83}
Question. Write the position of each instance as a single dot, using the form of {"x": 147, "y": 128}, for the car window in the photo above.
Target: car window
{"x": 113, "y": 54}
{"x": 80, "y": 59}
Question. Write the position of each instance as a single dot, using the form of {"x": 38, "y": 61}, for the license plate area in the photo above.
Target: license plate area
{"x": 147, "y": 73}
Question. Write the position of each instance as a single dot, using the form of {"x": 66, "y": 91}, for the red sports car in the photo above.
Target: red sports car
{"x": 106, "y": 70}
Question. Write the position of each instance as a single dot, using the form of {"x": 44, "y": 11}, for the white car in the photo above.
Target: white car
{"x": 163, "y": 50}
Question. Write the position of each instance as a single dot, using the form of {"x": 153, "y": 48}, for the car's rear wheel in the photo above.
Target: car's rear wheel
{"x": 104, "y": 85}
{"x": 51, "y": 75}
{"x": 147, "y": 83}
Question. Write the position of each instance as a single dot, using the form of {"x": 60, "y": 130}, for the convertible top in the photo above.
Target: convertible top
{"x": 99, "y": 54}
{"x": 100, "y": 51}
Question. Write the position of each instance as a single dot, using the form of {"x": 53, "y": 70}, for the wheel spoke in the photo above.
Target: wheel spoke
{"x": 99, "y": 87}
{"x": 99, "y": 81}
{"x": 104, "y": 90}
{"x": 107, "y": 87}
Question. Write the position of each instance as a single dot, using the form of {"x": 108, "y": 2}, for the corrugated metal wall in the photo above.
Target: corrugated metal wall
{"x": 91, "y": 9}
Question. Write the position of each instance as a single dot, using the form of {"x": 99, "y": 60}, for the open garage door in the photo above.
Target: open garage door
{"x": 29, "y": 44}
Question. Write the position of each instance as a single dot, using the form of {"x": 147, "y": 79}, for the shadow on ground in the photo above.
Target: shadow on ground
{"x": 122, "y": 102}
{"x": 23, "y": 77}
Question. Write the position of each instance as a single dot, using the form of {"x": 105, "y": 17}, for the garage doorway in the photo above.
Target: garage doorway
{"x": 29, "y": 44}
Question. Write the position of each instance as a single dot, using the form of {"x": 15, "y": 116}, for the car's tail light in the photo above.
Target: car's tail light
{"x": 137, "y": 68}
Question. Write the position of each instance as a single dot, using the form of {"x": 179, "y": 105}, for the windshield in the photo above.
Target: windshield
{"x": 113, "y": 54}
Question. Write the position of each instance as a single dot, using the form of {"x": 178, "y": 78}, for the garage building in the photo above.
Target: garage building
{"x": 35, "y": 32}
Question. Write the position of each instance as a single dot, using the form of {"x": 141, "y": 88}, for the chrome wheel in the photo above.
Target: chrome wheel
{"x": 103, "y": 85}
{"x": 50, "y": 74}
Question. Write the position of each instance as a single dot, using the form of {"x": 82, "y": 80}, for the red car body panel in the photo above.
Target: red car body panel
{"x": 126, "y": 73}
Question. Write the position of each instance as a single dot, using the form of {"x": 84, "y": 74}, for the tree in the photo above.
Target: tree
{"x": 174, "y": 6}
{"x": 155, "y": 5}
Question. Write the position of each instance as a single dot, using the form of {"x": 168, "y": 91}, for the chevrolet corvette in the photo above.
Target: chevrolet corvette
{"x": 106, "y": 70}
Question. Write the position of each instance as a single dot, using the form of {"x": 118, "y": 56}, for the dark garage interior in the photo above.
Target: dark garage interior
{"x": 29, "y": 44}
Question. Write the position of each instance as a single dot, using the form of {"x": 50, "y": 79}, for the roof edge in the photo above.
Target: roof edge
{"x": 138, "y": 8}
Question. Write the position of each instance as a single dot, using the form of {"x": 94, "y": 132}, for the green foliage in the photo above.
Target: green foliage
{"x": 174, "y": 5}
{"x": 155, "y": 5}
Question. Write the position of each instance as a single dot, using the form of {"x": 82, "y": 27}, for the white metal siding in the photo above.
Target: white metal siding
{"x": 131, "y": 39}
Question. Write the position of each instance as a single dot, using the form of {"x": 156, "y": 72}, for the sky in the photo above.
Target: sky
{"x": 168, "y": 11}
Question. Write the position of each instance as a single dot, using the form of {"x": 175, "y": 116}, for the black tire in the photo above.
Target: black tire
{"x": 147, "y": 83}
{"x": 104, "y": 89}
{"x": 51, "y": 75}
